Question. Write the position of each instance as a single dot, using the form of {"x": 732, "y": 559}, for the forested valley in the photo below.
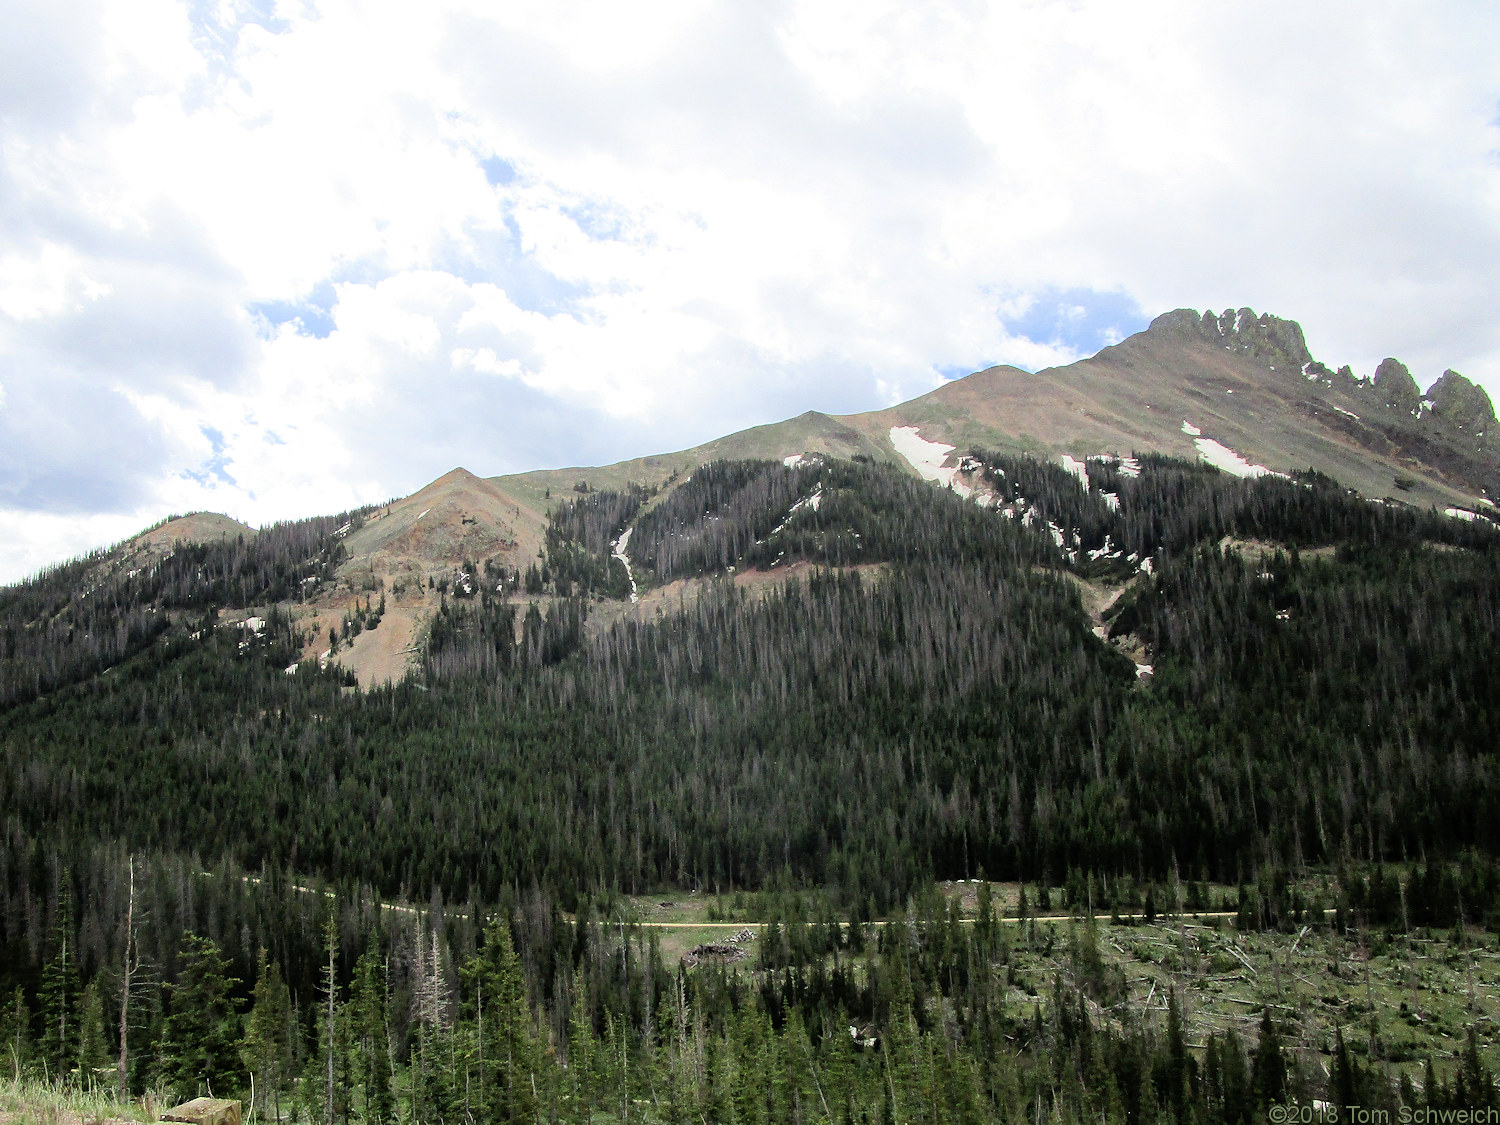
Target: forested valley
{"x": 414, "y": 882}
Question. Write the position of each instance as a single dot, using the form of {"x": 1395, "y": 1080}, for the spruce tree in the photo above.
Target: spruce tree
{"x": 372, "y": 1038}
{"x": 93, "y": 1048}
{"x": 581, "y": 1050}
{"x": 201, "y": 1036}
{"x": 1269, "y": 1073}
{"x": 60, "y": 995}
{"x": 267, "y": 1052}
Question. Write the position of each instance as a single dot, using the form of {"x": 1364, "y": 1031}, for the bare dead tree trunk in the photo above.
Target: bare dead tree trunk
{"x": 122, "y": 1067}
{"x": 332, "y": 985}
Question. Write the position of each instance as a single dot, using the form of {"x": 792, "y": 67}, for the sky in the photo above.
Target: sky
{"x": 278, "y": 259}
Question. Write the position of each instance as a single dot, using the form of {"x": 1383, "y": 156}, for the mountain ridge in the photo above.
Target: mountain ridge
{"x": 1237, "y": 390}
{"x": 1136, "y": 396}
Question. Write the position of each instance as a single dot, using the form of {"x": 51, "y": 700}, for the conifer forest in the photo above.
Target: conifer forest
{"x": 931, "y": 797}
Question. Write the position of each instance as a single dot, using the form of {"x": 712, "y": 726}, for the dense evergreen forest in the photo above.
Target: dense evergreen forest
{"x": 929, "y": 699}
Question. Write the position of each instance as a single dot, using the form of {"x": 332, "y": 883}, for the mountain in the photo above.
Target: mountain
{"x": 462, "y": 808}
{"x": 1239, "y": 389}
{"x": 1236, "y": 390}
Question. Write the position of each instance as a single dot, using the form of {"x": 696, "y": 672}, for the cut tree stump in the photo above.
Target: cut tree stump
{"x": 206, "y": 1111}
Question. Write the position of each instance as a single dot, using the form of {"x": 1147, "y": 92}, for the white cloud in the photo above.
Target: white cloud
{"x": 283, "y": 262}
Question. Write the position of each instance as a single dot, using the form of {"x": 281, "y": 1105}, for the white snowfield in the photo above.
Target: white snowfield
{"x": 1190, "y": 429}
{"x": 1461, "y": 514}
{"x": 927, "y": 458}
{"x": 797, "y": 460}
{"x": 1222, "y": 457}
{"x": 620, "y": 545}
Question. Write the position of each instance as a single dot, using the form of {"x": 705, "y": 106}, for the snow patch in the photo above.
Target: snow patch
{"x": 800, "y": 460}
{"x": 1190, "y": 429}
{"x": 1347, "y": 413}
{"x": 1143, "y": 670}
{"x": 927, "y": 458}
{"x": 1108, "y": 551}
{"x": 256, "y": 625}
{"x": 422, "y": 513}
{"x": 1130, "y": 467}
{"x": 812, "y": 502}
{"x": 1222, "y": 457}
{"x": 620, "y": 545}
{"x": 1111, "y": 501}
{"x": 1077, "y": 468}
{"x": 1461, "y": 514}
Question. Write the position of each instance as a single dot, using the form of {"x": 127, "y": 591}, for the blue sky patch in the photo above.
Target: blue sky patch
{"x": 313, "y": 314}
{"x": 1081, "y": 320}
{"x": 214, "y": 468}
{"x": 498, "y": 171}
{"x": 494, "y": 256}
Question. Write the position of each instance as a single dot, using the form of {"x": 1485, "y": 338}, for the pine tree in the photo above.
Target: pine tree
{"x": 581, "y": 1049}
{"x": 267, "y": 1052}
{"x": 199, "y": 1050}
{"x": 372, "y": 1038}
{"x": 329, "y": 1010}
{"x": 1345, "y": 1079}
{"x": 93, "y": 1049}
{"x": 498, "y": 991}
{"x": 1269, "y": 1073}
{"x": 60, "y": 994}
{"x": 1478, "y": 1082}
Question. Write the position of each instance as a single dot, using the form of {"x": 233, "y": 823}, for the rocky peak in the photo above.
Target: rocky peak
{"x": 1279, "y": 343}
{"x": 1460, "y": 403}
{"x": 1395, "y": 387}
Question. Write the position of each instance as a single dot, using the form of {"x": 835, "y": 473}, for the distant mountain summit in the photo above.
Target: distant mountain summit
{"x": 1237, "y": 388}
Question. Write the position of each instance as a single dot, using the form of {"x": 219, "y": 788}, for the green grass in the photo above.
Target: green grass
{"x": 35, "y": 1102}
